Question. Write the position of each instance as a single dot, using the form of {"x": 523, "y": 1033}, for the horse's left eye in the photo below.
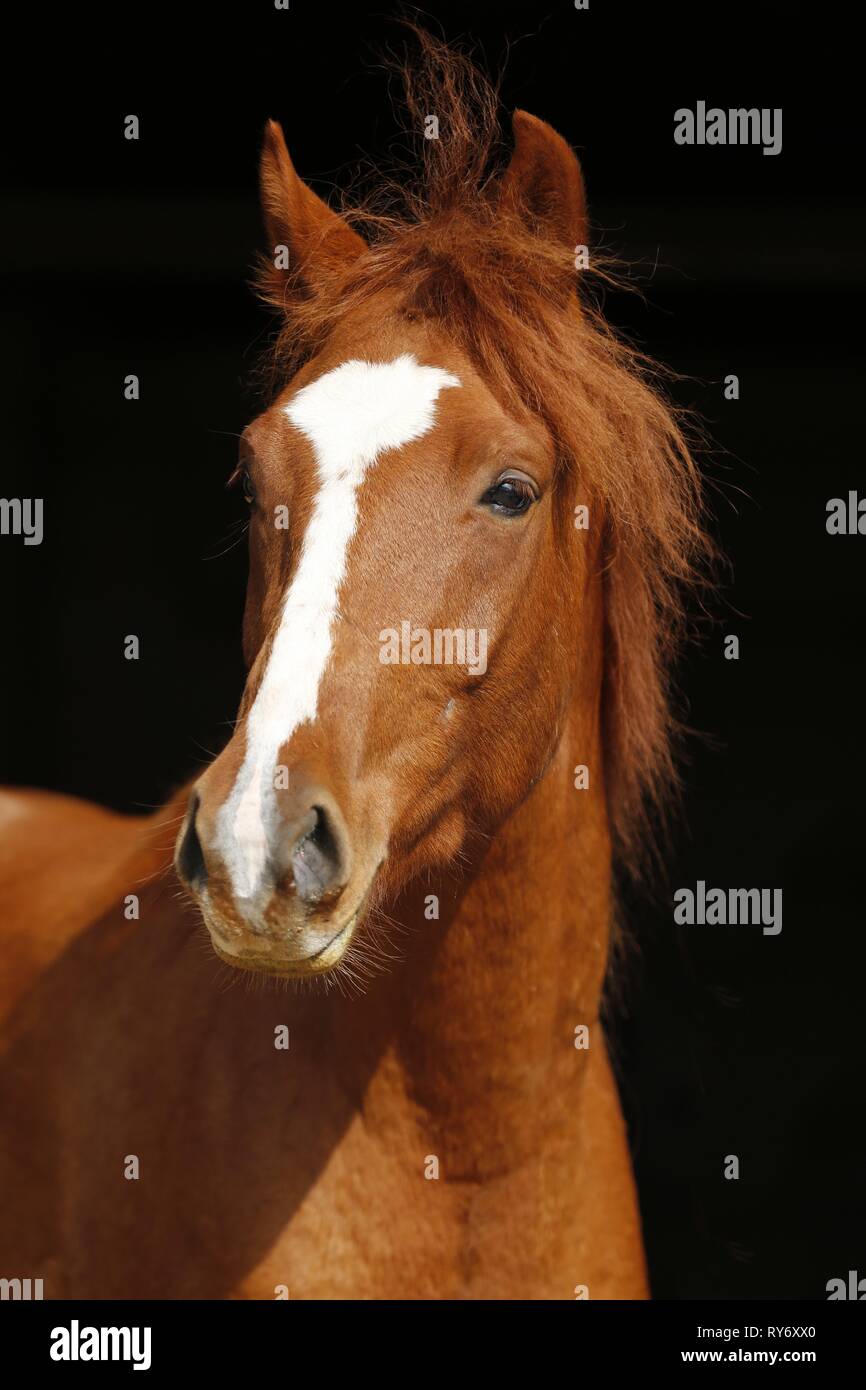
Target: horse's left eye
{"x": 510, "y": 496}
{"x": 247, "y": 485}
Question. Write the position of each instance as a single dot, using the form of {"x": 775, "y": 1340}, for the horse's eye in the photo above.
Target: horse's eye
{"x": 510, "y": 496}
{"x": 247, "y": 485}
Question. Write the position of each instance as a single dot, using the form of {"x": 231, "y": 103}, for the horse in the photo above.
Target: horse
{"x": 419, "y": 849}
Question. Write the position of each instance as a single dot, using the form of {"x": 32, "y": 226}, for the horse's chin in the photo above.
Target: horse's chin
{"x": 272, "y": 956}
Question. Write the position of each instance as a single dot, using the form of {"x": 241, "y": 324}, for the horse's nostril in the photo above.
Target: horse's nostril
{"x": 316, "y": 859}
{"x": 190, "y": 856}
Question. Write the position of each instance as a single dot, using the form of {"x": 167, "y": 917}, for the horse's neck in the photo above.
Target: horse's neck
{"x": 469, "y": 1055}
{"x": 475, "y": 1030}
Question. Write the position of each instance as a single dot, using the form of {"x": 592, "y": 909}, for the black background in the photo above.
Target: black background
{"x": 127, "y": 257}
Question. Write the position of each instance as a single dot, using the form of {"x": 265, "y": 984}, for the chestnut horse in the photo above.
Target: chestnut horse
{"x": 458, "y": 456}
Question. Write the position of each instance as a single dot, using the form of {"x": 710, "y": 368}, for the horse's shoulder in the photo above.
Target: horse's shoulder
{"x": 59, "y": 857}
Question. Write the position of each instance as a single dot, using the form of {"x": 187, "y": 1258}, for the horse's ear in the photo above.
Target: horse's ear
{"x": 307, "y": 242}
{"x": 544, "y": 181}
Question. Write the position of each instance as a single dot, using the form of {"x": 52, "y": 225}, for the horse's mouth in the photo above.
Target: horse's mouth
{"x": 277, "y": 961}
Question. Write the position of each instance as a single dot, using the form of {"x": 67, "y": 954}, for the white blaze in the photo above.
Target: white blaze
{"x": 351, "y": 416}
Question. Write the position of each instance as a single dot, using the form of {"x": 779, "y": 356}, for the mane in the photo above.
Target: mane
{"x": 529, "y": 322}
